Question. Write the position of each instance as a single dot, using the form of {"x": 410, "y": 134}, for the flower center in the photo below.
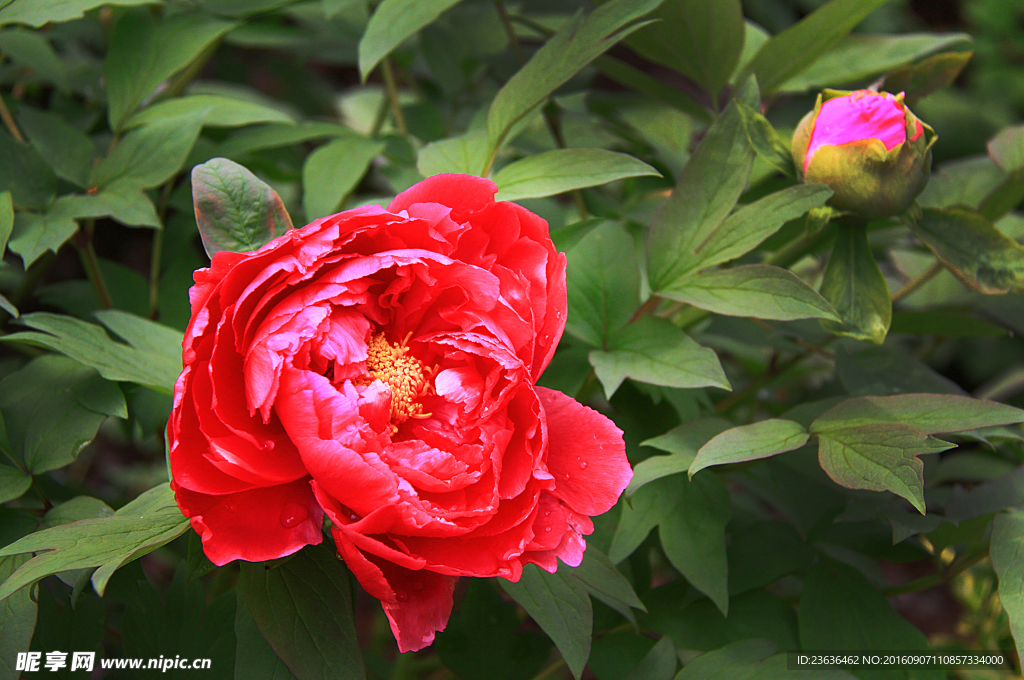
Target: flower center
{"x": 403, "y": 373}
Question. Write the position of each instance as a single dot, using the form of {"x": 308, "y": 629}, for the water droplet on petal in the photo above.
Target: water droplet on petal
{"x": 293, "y": 515}
{"x": 400, "y": 596}
{"x": 230, "y": 507}
{"x": 583, "y": 465}
{"x": 547, "y": 529}
{"x": 547, "y": 513}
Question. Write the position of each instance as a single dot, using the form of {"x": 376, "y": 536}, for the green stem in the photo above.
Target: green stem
{"x": 90, "y": 262}
{"x": 510, "y": 31}
{"x": 918, "y": 281}
{"x": 962, "y": 564}
{"x": 796, "y": 250}
{"x": 392, "y": 89}
{"x": 156, "y": 254}
{"x": 9, "y": 123}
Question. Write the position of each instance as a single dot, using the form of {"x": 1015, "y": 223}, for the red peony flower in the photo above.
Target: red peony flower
{"x": 379, "y": 366}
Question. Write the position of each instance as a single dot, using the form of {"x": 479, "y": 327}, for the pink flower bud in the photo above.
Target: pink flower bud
{"x": 868, "y": 147}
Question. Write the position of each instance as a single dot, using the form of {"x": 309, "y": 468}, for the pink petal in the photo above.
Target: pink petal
{"x": 463, "y": 192}
{"x": 586, "y": 454}
{"x": 861, "y": 115}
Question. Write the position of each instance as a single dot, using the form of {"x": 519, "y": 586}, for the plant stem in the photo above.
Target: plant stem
{"x": 918, "y": 281}
{"x": 962, "y": 564}
{"x": 87, "y": 254}
{"x": 157, "y": 252}
{"x": 510, "y": 31}
{"x": 9, "y": 123}
{"x": 392, "y": 88}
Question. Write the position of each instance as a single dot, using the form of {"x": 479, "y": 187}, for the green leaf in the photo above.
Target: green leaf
{"x": 692, "y": 516}
{"x": 68, "y": 150}
{"x": 254, "y": 657}
{"x": 682, "y": 442}
{"x": 149, "y": 156}
{"x": 465, "y": 155}
{"x": 973, "y": 249}
{"x": 561, "y": 170}
{"x": 393, "y": 22}
{"x": 603, "y": 279}
{"x": 659, "y": 664}
{"x": 761, "y": 291}
{"x": 145, "y": 51}
{"x": 654, "y": 351}
{"x": 273, "y": 135}
{"x": 1007, "y": 557}
{"x": 947, "y": 323}
{"x": 879, "y": 458}
{"x": 121, "y": 200}
{"x": 303, "y": 609}
{"x": 13, "y": 482}
{"x": 574, "y": 46}
{"x": 34, "y": 234}
{"x": 645, "y": 83}
{"x": 331, "y": 172}
{"x": 790, "y": 52}
{"x": 750, "y": 442}
{"x": 481, "y": 641}
{"x": 235, "y": 210}
{"x": 736, "y": 661}
{"x": 152, "y": 357}
{"x": 859, "y": 57}
{"x": 17, "y": 620}
{"x": 855, "y": 286}
{"x": 33, "y": 49}
{"x": 607, "y": 583}
{"x": 762, "y": 552}
{"x": 921, "y": 79}
{"x": 766, "y": 140}
{"x": 708, "y": 188}
{"x": 928, "y": 413}
{"x": 888, "y": 369}
{"x": 6, "y": 219}
{"x": 140, "y": 527}
{"x": 560, "y": 605}
{"x": 52, "y": 389}
{"x": 36, "y": 13}
{"x": 840, "y": 609}
{"x": 223, "y": 111}
{"x": 702, "y": 39}
{"x": 25, "y": 174}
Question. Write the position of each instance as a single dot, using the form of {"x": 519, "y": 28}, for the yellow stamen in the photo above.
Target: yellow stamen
{"x": 403, "y": 373}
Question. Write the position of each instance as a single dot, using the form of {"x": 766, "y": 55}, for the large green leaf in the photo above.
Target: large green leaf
{"x": 67, "y": 149}
{"x": 393, "y": 22}
{"x": 53, "y": 389}
{"x": 152, "y": 357}
{"x": 761, "y": 291}
{"x": 224, "y": 111}
{"x": 796, "y": 48}
{"x": 750, "y": 442}
{"x": 150, "y": 155}
{"x": 607, "y": 583}
{"x": 1007, "y": 554}
{"x": 560, "y": 605}
{"x": 603, "y": 279}
{"x": 708, "y": 188}
{"x": 682, "y": 442}
{"x": 303, "y": 608}
{"x": 465, "y": 155}
{"x": 659, "y": 664}
{"x": 700, "y": 38}
{"x": 254, "y": 657}
{"x": 331, "y": 172}
{"x": 13, "y": 482}
{"x": 273, "y": 135}
{"x": 560, "y": 170}
{"x": 928, "y": 413}
{"x": 33, "y": 49}
{"x": 140, "y": 527}
{"x": 654, "y": 351}
{"x": 973, "y": 249}
{"x": 879, "y": 458}
{"x": 692, "y": 516}
{"x": 574, "y": 46}
{"x": 921, "y": 79}
{"x": 855, "y": 286}
{"x": 766, "y": 141}
{"x": 6, "y": 219}
{"x": 25, "y": 174}
{"x": 145, "y": 51}
{"x": 17, "y": 620}
{"x": 858, "y": 57}
{"x": 36, "y": 13}
{"x": 34, "y": 234}
{"x": 840, "y": 609}
{"x": 235, "y": 210}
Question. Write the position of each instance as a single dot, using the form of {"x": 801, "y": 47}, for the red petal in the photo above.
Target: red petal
{"x": 461, "y": 192}
{"x": 417, "y": 603}
{"x": 586, "y": 454}
{"x": 257, "y": 525}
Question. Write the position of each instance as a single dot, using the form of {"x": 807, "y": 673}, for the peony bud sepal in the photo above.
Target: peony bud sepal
{"x": 868, "y": 147}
